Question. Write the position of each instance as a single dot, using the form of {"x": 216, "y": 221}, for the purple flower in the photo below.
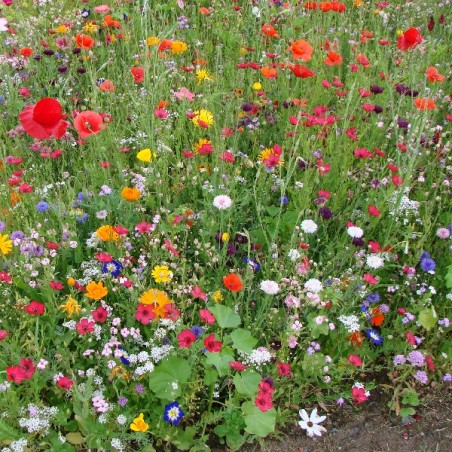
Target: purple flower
{"x": 399, "y": 360}
{"x": 428, "y": 264}
{"x": 139, "y": 389}
{"x": 416, "y": 358}
{"x": 122, "y": 401}
{"x": 421, "y": 376}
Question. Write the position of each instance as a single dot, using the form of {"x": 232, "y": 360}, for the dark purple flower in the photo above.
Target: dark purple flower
{"x": 325, "y": 213}
{"x": 376, "y": 89}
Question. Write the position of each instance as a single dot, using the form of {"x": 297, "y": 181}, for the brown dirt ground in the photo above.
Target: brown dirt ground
{"x": 372, "y": 428}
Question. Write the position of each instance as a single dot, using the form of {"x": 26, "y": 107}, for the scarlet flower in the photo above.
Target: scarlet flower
{"x": 269, "y": 72}
{"x": 137, "y": 74}
{"x": 84, "y": 326}
{"x": 26, "y": 52}
{"x": 186, "y": 338}
{"x": 301, "y": 71}
{"x": 333, "y": 59}
{"x": 100, "y": 314}
{"x": 64, "y": 383}
{"x": 15, "y": 374}
{"x": 233, "y": 282}
{"x": 433, "y": 75}
{"x": 425, "y": 104}
{"x": 44, "y": 119}
{"x": 268, "y": 30}
{"x": 409, "y": 39}
{"x": 362, "y": 59}
{"x": 88, "y": 123}
{"x": 301, "y": 50}
{"x": 35, "y": 308}
{"x": 284, "y": 370}
{"x": 263, "y": 401}
{"x": 28, "y": 367}
{"x": 84, "y": 41}
{"x": 211, "y": 344}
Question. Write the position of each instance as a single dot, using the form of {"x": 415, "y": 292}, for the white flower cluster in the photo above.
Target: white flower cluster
{"x": 141, "y": 370}
{"x": 351, "y": 322}
{"x": 313, "y": 285}
{"x": 116, "y": 444}
{"x": 258, "y": 357}
{"x": 16, "y": 446}
{"x": 158, "y": 353}
{"x": 269, "y": 287}
{"x": 403, "y": 206}
{"x": 375, "y": 261}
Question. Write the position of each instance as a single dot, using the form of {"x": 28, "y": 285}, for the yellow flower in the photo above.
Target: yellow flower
{"x": 138, "y": 424}
{"x": 203, "y": 118}
{"x": 257, "y": 86}
{"x": 6, "y": 245}
{"x": 107, "y": 234}
{"x": 225, "y": 237}
{"x": 70, "y": 281}
{"x": 243, "y": 51}
{"x": 146, "y": 155}
{"x": 399, "y": 32}
{"x": 358, "y": 3}
{"x": 217, "y": 296}
{"x": 61, "y": 29}
{"x": 130, "y": 193}
{"x": 161, "y": 273}
{"x": 158, "y": 300}
{"x": 202, "y": 74}
{"x": 96, "y": 291}
{"x": 178, "y": 47}
{"x": 90, "y": 27}
{"x": 153, "y": 41}
{"x": 266, "y": 153}
{"x": 71, "y": 306}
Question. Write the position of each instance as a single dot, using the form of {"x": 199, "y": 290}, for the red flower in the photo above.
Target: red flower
{"x": 144, "y": 313}
{"x": 137, "y": 74}
{"x": 301, "y": 71}
{"x": 211, "y": 344}
{"x": 186, "y": 338}
{"x": 84, "y": 326}
{"x": 56, "y": 285}
{"x": 28, "y": 367}
{"x": 355, "y": 360}
{"x": 65, "y": 383}
{"x": 284, "y": 370}
{"x": 409, "y": 39}
{"x": 237, "y": 365}
{"x": 266, "y": 388}
{"x": 373, "y": 210}
{"x": 263, "y": 401}
{"x": 359, "y": 394}
{"x": 233, "y": 282}
{"x": 207, "y": 316}
{"x": 3, "y": 335}
{"x": 15, "y": 374}
{"x": 35, "y": 308}
{"x": 84, "y": 41}
{"x": 88, "y": 123}
{"x": 100, "y": 314}
{"x": 44, "y": 119}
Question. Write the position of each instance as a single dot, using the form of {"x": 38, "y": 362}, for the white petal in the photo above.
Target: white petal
{"x": 303, "y": 425}
{"x": 304, "y": 415}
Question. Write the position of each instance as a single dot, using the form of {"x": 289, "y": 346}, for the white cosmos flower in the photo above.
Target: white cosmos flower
{"x": 222, "y": 202}
{"x": 3, "y": 24}
{"x": 310, "y": 423}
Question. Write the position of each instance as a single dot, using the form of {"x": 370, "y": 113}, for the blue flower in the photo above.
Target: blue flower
{"x": 428, "y": 264}
{"x": 254, "y": 265}
{"x": 113, "y": 267}
{"x": 374, "y": 336}
{"x": 283, "y": 200}
{"x": 197, "y": 330}
{"x": 373, "y": 298}
{"x": 173, "y": 414}
{"x": 85, "y": 12}
{"x": 42, "y": 206}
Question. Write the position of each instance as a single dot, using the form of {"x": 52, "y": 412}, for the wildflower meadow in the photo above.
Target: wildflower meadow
{"x": 220, "y": 219}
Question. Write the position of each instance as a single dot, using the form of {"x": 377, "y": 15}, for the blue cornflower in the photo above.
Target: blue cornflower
{"x": 424, "y": 255}
{"x": 85, "y": 13}
{"x": 113, "y": 267}
{"x": 173, "y": 414}
{"x": 373, "y": 298}
{"x": 252, "y": 263}
{"x": 283, "y": 200}
{"x": 197, "y": 330}
{"x": 82, "y": 218}
{"x": 428, "y": 264}
{"x": 374, "y": 336}
{"x": 42, "y": 206}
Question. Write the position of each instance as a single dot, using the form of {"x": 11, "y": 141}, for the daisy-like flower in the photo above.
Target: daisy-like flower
{"x": 6, "y": 244}
{"x": 173, "y": 414}
{"x": 269, "y": 287}
{"x": 308, "y": 226}
{"x": 71, "y": 307}
{"x": 161, "y": 273}
{"x": 202, "y": 118}
{"x": 202, "y": 75}
{"x": 222, "y": 202}
{"x": 311, "y": 422}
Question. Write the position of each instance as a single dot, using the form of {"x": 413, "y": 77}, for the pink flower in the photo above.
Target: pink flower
{"x": 65, "y": 383}
{"x": 227, "y": 157}
{"x": 35, "y": 308}
{"x": 186, "y": 338}
{"x": 101, "y": 9}
{"x": 359, "y": 394}
{"x": 84, "y": 326}
{"x": 144, "y": 227}
{"x": 263, "y": 401}
{"x": 373, "y": 210}
{"x": 196, "y": 292}
{"x": 211, "y": 344}
{"x": 161, "y": 113}
{"x": 28, "y": 367}
{"x": 355, "y": 360}
{"x": 15, "y": 374}
{"x": 184, "y": 93}
{"x": 370, "y": 279}
{"x": 3, "y": 335}
{"x": 237, "y": 365}
{"x": 207, "y": 316}
{"x": 169, "y": 246}
{"x": 88, "y": 123}
{"x": 100, "y": 314}
{"x": 144, "y": 313}
{"x": 284, "y": 370}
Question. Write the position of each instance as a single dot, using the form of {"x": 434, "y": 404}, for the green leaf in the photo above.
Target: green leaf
{"x": 75, "y": 438}
{"x": 210, "y": 377}
{"x": 448, "y": 277}
{"x": 410, "y": 398}
{"x": 220, "y": 361}
{"x": 404, "y": 412}
{"x": 242, "y": 340}
{"x": 427, "y": 318}
{"x": 168, "y": 377}
{"x": 246, "y": 382}
{"x": 259, "y": 423}
{"x": 225, "y": 316}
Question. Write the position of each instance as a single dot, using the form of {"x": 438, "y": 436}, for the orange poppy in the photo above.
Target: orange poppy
{"x": 301, "y": 71}
{"x": 26, "y": 52}
{"x": 333, "y": 59}
{"x": 107, "y": 86}
{"x": 268, "y": 30}
{"x": 84, "y": 41}
{"x": 377, "y": 317}
{"x": 269, "y": 72}
{"x": 301, "y": 50}
{"x": 433, "y": 75}
{"x": 233, "y": 282}
{"x": 109, "y": 22}
{"x": 425, "y": 104}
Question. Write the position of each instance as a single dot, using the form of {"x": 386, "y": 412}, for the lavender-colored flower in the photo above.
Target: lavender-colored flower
{"x": 384, "y": 308}
{"x": 447, "y": 378}
{"x": 122, "y": 401}
{"x": 17, "y": 235}
{"x": 416, "y": 358}
{"x": 399, "y": 360}
{"x": 139, "y": 389}
{"x": 421, "y": 376}
{"x": 2, "y": 226}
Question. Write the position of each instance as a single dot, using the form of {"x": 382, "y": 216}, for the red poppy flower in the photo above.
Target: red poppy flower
{"x": 44, "y": 119}
{"x": 409, "y": 39}
{"x": 84, "y": 41}
{"x": 301, "y": 71}
{"x": 333, "y": 59}
{"x": 233, "y": 282}
{"x": 35, "y": 308}
{"x": 88, "y": 123}
{"x": 137, "y": 74}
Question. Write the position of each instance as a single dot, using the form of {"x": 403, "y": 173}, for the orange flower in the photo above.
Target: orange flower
{"x": 26, "y": 52}
{"x": 109, "y": 22}
{"x": 107, "y": 86}
{"x": 356, "y": 338}
{"x": 137, "y": 74}
{"x": 268, "y": 30}
{"x": 425, "y": 104}
{"x": 96, "y": 291}
{"x": 269, "y": 72}
{"x": 130, "y": 193}
{"x": 333, "y": 59}
{"x": 204, "y": 11}
{"x": 166, "y": 44}
{"x": 377, "y": 317}
{"x": 84, "y": 41}
{"x": 301, "y": 50}
{"x": 107, "y": 233}
{"x": 433, "y": 75}
{"x": 233, "y": 282}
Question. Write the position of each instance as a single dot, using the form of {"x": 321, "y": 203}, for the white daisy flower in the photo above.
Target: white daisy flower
{"x": 310, "y": 423}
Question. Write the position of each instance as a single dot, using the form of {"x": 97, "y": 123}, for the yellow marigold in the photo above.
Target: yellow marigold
{"x": 107, "y": 233}
{"x": 202, "y": 118}
{"x": 158, "y": 300}
{"x": 161, "y": 273}
{"x": 138, "y": 424}
{"x": 6, "y": 245}
{"x": 130, "y": 193}
{"x": 217, "y": 296}
{"x": 202, "y": 74}
{"x": 257, "y": 86}
{"x": 153, "y": 41}
{"x": 178, "y": 47}
{"x": 146, "y": 155}
{"x": 71, "y": 307}
{"x": 61, "y": 29}
{"x": 95, "y": 290}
